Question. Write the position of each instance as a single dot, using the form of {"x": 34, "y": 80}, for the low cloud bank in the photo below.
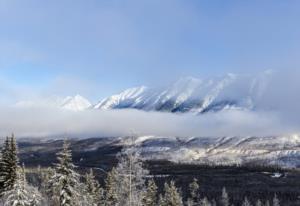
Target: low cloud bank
{"x": 275, "y": 96}
{"x": 45, "y": 122}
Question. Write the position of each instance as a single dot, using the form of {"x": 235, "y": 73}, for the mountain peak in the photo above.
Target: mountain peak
{"x": 124, "y": 97}
{"x": 76, "y": 103}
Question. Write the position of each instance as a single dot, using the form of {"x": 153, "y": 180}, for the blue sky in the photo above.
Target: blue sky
{"x": 97, "y": 48}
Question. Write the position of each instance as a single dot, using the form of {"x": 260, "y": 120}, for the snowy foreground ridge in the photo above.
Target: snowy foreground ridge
{"x": 283, "y": 151}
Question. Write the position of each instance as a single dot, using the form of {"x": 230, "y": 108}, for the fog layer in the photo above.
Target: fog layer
{"x": 41, "y": 122}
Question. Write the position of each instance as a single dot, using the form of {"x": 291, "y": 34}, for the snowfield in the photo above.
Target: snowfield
{"x": 281, "y": 150}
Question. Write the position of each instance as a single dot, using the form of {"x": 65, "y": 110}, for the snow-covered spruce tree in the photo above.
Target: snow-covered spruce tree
{"x": 171, "y": 196}
{"x": 93, "y": 189}
{"x": 45, "y": 182}
{"x": 258, "y": 203}
{"x": 267, "y": 203}
{"x": 224, "y": 199}
{"x": 4, "y": 164}
{"x": 213, "y": 202}
{"x": 205, "y": 202}
{"x": 21, "y": 194}
{"x": 276, "y": 201}
{"x": 131, "y": 179}
{"x": 13, "y": 163}
{"x": 65, "y": 181}
{"x": 246, "y": 202}
{"x": 84, "y": 198}
{"x": 161, "y": 200}
{"x": 111, "y": 187}
{"x": 51, "y": 191}
{"x": 150, "y": 196}
{"x": 9, "y": 164}
{"x": 193, "y": 188}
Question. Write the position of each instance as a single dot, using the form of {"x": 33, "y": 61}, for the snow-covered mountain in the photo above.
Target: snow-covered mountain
{"x": 276, "y": 150}
{"x": 192, "y": 95}
{"x": 75, "y": 103}
{"x": 185, "y": 95}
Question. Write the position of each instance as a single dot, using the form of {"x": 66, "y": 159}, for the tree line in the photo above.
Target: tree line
{"x": 127, "y": 184}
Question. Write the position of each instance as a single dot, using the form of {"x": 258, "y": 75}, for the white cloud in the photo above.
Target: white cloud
{"x": 42, "y": 122}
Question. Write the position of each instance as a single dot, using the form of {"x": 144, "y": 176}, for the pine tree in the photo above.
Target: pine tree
{"x": 213, "y": 203}
{"x": 111, "y": 187}
{"x": 276, "y": 201}
{"x": 161, "y": 200}
{"x": 45, "y": 177}
{"x": 131, "y": 179}
{"x": 246, "y": 202}
{"x": 84, "y": 198}
{"x": 172, "y": 196}
{"x": 9, "y": 164}
{"x": 193, "y": 188}
{"x": 4, "y": 164}
{"x": 93, "y": 189}
{"x": 13, "y": 163}
{"x": 205, "y": 202}
{"x": 21, "y": 194}
{"x": 48, "y": 189}
{"x": 258, "y": 203}
{"x": 149, "y": 198}
{"x": 225, "y": 198}
{"x": 66, "y": 180}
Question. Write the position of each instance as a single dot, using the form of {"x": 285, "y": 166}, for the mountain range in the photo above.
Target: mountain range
{"x": 185, "y": 95}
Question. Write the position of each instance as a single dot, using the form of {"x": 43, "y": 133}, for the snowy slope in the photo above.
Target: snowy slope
{"x": 76, "y": 103}
{"x": 281, "y": 150}
{"x": 127, "y": 98}
{"x": 192, "y": 95}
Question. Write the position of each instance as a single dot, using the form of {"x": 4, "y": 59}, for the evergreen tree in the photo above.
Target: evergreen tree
{"x": 213, "y": 203}
{"x": 66, "y": 180}
{"x": 149, "y": 198}
{"x": 225, "y": 198}
{"x": 45, "y": 177}
{"x": 84, "y": 197}
{"x": 172, "y": 196}
{"x": 205, "y": 202}
{"x": 13, "y": 163}
{"x": 111, "y": 187}
{"x": 246, "y": 202}
{"x": 93, "y": 189}
{"x": 22, "y": 194}
{"x": 161, "y": 200}
{"x": 48, "y": 189}
{"x": 275, "y": 201}
{"x": 4, "y": 163}
{"x": 193, "y": 188}
{"x": 267, "y": 203}
{"x": 258, "y": 203}
{"x": 190, "y": 202}
{"x": 9, "y": 164}
{"x": 131, "y": 179}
